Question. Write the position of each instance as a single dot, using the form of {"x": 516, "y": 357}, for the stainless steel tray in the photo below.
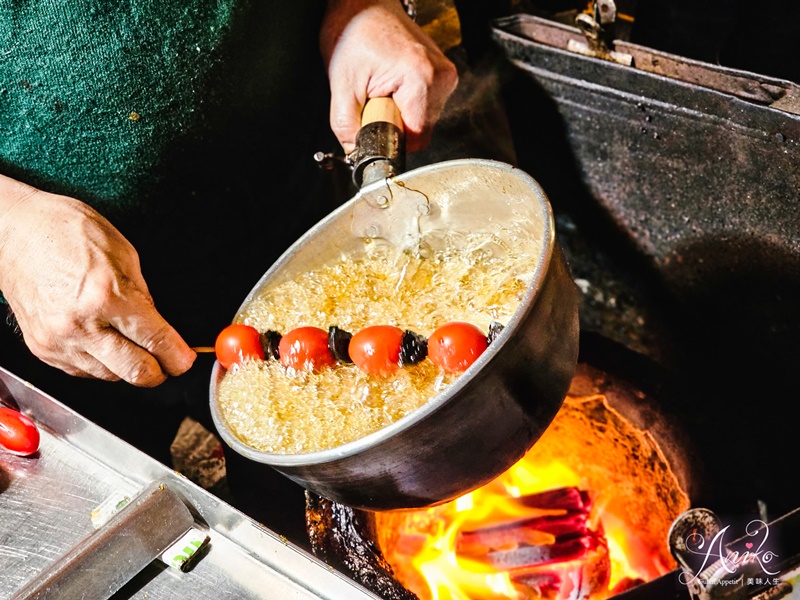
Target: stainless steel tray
{"x": 46, "y": 503}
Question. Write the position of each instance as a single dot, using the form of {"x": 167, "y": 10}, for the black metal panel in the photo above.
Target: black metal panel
{"x": 678, "y": 165}
{"x": 704, "y": 184}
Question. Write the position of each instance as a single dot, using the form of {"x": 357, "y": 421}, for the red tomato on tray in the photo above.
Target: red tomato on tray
{"x": 236, "y": 343}
{"x": 454, "y": 346}
{"x": 18, "y": 434}
{"x": 305, "y": 348}
{"x": 376, "y": 349}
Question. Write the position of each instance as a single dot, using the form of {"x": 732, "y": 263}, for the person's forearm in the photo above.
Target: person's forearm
{"x": 12, "y": 194}
{"x": 340, "y": 12}
{"x": 357, "y": 5}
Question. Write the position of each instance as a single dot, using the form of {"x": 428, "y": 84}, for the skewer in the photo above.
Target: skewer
{"x": 200, "y": 349}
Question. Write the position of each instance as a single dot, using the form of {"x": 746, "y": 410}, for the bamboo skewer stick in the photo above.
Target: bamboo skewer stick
{"x": 201, "y": 349}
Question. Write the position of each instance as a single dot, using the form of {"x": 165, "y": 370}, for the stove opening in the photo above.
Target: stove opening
{"x": 584, "y": 514}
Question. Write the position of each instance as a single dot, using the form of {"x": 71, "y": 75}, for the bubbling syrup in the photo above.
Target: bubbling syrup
{"x": 474, "y": 278}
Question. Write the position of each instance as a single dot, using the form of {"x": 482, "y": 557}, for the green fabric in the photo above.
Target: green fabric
{"x": 93, "y": 93}
{"x": 86, "y": 93}
{"x": 190, "y": 125}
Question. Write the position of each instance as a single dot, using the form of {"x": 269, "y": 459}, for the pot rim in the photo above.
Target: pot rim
{"x": 375, "y": 438}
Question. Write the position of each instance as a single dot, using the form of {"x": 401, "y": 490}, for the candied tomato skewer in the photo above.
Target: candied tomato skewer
{"x": 377, "y": 350}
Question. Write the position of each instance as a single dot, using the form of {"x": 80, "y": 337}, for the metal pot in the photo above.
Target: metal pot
{"x": 497, "y": 409}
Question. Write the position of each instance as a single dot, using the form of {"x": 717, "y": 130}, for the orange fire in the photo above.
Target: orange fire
{"x": 550, "y": 527}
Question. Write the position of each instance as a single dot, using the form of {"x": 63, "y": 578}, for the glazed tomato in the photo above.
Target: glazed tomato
{"x": 236, "y": 343}
{"x": 376, "y": 349}
{"x": 18, "y": 434}
{"x": 306, "y": 348}
{"x": 454, "y": 346}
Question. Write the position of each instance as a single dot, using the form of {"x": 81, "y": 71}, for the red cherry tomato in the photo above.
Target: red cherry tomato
{"x": 376, "y": 349}
{"x": 306, "y": 348}
{"x": 236, "y": 343}
{"x": 453, "y": 347}
{"x": 18, "y": 434}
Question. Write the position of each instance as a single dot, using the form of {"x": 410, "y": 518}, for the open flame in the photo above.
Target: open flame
{"x": 547, "y": 528}
{"x": 530, "y": 533}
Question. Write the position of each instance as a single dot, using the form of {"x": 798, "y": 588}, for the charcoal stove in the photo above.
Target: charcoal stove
{"x": 630, "y": 459}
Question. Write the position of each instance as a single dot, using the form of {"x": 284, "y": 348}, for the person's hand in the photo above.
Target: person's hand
{"x": 76, "y": 289}
{"x": 372, "y": 49}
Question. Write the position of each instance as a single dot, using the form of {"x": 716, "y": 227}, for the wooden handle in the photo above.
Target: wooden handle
{"x": 381, "y": 109}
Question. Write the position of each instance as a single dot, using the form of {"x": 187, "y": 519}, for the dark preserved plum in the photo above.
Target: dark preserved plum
{"x": 413, "y": 348}
{"x": 338, "y": 344}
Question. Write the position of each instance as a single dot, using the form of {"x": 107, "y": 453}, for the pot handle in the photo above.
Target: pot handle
{"x": 384, "y": 109}
{"x": 380, "y": 143}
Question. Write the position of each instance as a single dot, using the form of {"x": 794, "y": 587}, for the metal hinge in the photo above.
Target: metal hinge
{"x": 410, "y": 6}
{"x": 598, "y": 29}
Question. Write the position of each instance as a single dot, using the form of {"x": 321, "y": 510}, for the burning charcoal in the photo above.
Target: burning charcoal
{"x": 563, "y": 526}
{"x": 625, "y": 584}
{"x": 529, "y": 556}
{"x": 338, "y": 344}
{"x": 531, "y": 531}
{"x": 269, "y": 341}
{"x": 413, "y": 348}
{"x": 495, "y": 328}
{"x": 543, "y": 582}
{"x": 410, "y": 544}
{"x": 567, "y": 498}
